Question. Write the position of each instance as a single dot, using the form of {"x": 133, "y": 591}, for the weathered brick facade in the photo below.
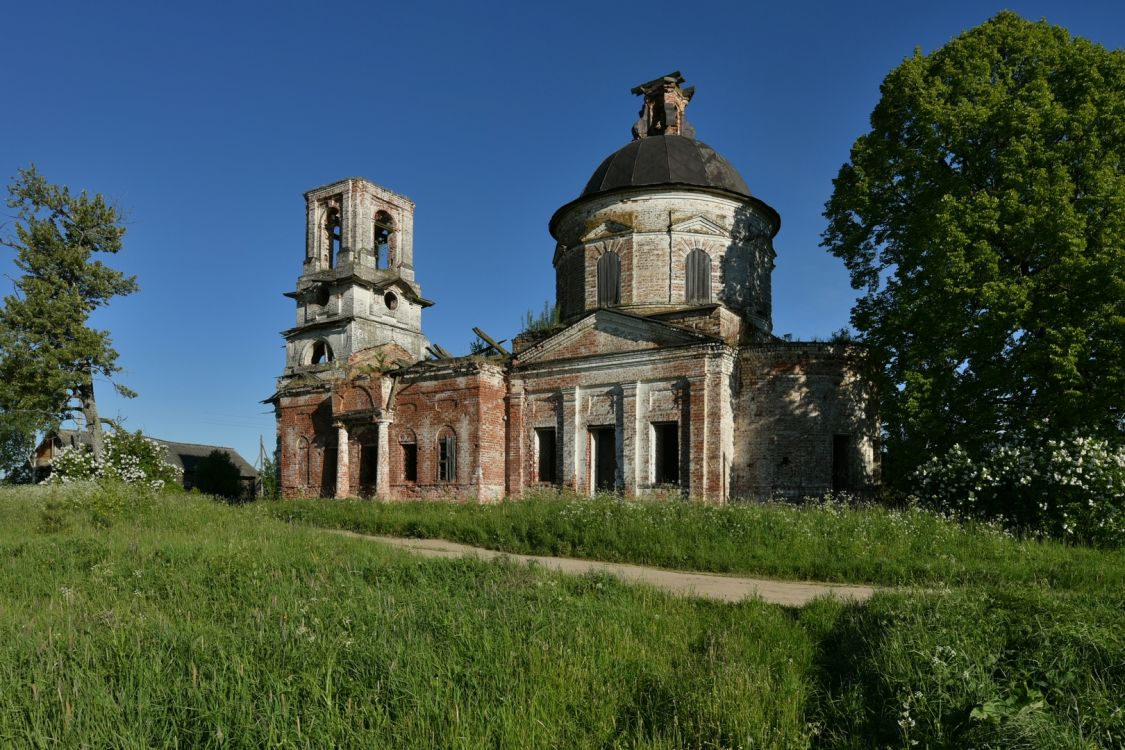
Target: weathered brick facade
{"x": 663, "y": 377}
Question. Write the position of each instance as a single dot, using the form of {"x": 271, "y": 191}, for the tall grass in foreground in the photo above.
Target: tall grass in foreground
{"x": 195, "y": 624}
{"x": 829, "y": 542}
{"x": 144, "y": 621}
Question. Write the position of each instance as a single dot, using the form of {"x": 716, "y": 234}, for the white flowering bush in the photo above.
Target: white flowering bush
{"x": 127, "y": 457}
{"x": 1071, "y": 488}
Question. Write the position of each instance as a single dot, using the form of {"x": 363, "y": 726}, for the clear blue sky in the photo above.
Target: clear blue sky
{"x": 207, "y": 121}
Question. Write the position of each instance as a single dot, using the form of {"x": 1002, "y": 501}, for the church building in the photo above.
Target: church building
{"x": 662, "y": 376}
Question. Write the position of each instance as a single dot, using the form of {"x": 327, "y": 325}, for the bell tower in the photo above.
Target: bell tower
{"x": 357, "y": 287}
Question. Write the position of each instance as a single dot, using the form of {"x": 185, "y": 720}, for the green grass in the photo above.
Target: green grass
{"x": 132, "y": 621}
{"x": 816, "y": 542}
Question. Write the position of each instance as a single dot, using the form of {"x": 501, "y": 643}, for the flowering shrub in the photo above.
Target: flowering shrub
{"x": 1072, "y": 488}
{"x": 127, "y": 457}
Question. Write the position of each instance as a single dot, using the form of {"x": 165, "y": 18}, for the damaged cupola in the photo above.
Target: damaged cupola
{"x": 665, "y": 224}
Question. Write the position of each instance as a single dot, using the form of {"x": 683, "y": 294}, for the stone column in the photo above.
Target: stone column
{"x": 343, "y": 463}
{"x": 383, "y": 468}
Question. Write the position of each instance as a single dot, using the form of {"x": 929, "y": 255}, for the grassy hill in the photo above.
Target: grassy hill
{"x": 133, "y": 620}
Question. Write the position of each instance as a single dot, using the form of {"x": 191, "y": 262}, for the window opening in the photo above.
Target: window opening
{"x": 447, "y": 458}
{"x": 409, "y": 462}
{"x": 605, "y": 458}
{"x": 384, "y": 227}
{"x": 666, "y": 453}
{"x": 698, "y": 277}
{"x": 841, "y": 464}
{"x": 321, "y": 353}
{"x": 321, "y": 296}
{"x": 390, "y": 299}
{"x": 609, "y": 279}
{"x": 545, "y": 437}
{"x": 335, "y": 234}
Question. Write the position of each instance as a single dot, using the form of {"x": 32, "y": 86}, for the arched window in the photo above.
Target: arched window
{"x": 320, "y": 353}
{"x": 384, "y": 228}
{"x": 609, "y": 279}
{"x": 698, "y": 278}
{"x": 447, "y": 456}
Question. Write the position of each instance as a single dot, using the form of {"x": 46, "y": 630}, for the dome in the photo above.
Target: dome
{"x": 666, "y": 160}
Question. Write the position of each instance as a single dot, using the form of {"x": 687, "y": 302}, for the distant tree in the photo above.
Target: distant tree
{"x": 218, "y": 475}
{"x": 271, "y": 481}
{"x": 984, "y": 216}
{"x": 546, "y": 319}
{"x": 49, "y": 356}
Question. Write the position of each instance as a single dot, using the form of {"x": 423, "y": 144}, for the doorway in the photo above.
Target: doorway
{"x": 603, "y": 451}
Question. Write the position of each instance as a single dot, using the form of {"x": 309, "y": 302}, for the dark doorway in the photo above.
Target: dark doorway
{"x": 666, "y": 453}
{"x": 368, "y": 469}
{"x": 410, "y": 462}
{"x": 841, "y": 455}
{"x": 328, "y": 473}
{"x": 604, "y": 453}
{"x": 545, "y": 437}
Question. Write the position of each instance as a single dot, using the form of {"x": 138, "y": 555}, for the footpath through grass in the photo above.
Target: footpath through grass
{"x": 827, "y": 542}
{"x": 134, "y": 621}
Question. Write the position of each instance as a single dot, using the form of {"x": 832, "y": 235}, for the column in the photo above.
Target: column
{"x": 343, "y": 464}
{"x": 573, "y": 447}
{"x": 383, "y": 468}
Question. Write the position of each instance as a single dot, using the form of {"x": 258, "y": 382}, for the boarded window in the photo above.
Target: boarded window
{"x": 666, "y": 453}
{"x": 545, "y": 437}
{"x": 447, "y": 458}
{"x": 609, "y": 279}
{"x": 698, "y": 279}
{"x": 409, "y": 462}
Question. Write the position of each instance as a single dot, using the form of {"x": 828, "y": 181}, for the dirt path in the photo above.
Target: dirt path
{"x": 705, "y": 585}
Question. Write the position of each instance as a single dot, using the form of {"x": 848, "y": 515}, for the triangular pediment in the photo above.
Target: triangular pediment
{"x": 606, "y": 332}
{"x": 608, "y": 228}
{"x": 701, "y": 225}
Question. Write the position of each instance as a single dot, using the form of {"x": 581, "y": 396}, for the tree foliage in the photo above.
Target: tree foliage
{"x": 984, "y": 217}
{"x": 218, "y": 475}
{"x": 49, "y": 355}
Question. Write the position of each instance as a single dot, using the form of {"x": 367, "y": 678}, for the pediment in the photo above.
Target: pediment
{"x": 606, "y": 332}
{"x": 701, "y": 225}
{"x": 608, "y": 228}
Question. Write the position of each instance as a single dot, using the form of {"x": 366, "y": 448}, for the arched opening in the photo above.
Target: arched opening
{"x": 698, "y": 278}
{"x": 384, "y": 230}
{"x": 320, "y": 353}
{"x": 368, "y": 439}
{"x": 408, "y": 447}
{"x": 609, "y": 279}
{"x": 333, "y": 228}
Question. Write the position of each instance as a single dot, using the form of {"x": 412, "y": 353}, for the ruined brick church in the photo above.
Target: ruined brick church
{"x": 662, "y": 376}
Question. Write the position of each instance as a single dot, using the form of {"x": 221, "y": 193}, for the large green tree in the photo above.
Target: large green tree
{"x": 984, "y": 217}
{"x": 49, "y": 354}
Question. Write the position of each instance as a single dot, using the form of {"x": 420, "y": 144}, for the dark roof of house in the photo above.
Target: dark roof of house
{"x": 182, "y": 455}
{"x": 666, "y": 160}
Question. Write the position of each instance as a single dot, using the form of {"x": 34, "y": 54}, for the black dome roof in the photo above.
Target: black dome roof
{"x": 666, "y": 160}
